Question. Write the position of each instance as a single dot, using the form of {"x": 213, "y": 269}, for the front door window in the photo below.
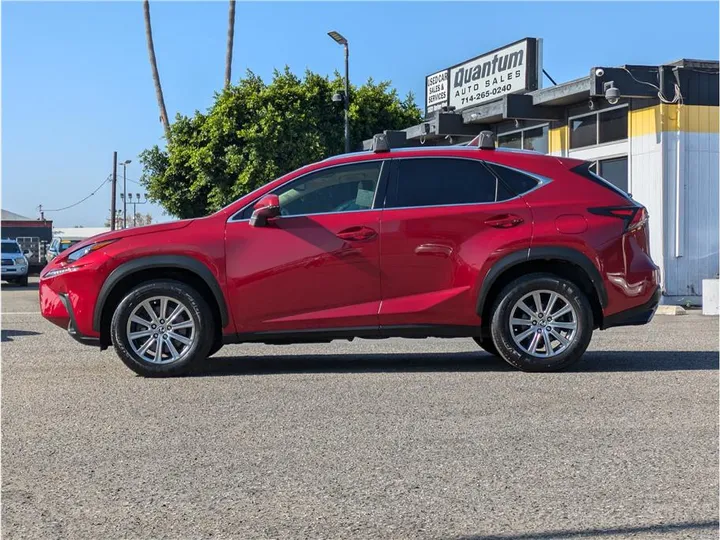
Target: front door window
{"x": 345, "y": 188}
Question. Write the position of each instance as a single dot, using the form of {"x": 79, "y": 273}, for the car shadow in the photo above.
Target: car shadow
{"x": 8, "y": 335}
{"x": 693, "y": 527}
{"x": 480, "y": 361}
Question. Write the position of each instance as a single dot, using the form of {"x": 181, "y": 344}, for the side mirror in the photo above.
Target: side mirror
{"x": 266, "y": 208}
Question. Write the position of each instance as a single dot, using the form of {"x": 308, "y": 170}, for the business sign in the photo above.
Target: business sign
{"x": 510, "y": 69}
{"x": 436, "y": 91}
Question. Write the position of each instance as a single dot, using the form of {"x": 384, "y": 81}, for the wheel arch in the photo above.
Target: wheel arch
{"x": 180, "y": 267}
{"x": 565, "y": 262}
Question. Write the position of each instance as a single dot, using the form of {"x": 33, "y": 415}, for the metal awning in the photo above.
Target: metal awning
{"x": 544, "y": 104}
{"x": 550, "y": 104}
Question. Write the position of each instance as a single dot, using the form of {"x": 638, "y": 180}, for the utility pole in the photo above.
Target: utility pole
{"x": 112, "y": 199}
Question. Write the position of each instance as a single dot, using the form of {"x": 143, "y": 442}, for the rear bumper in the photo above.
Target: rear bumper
{"x": 635, "y": 316}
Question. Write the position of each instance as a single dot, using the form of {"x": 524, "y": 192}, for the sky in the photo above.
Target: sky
{"x": 77, "y": 85}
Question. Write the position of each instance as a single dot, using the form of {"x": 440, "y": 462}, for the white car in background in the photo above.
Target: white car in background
{"x": 14, "y": 263}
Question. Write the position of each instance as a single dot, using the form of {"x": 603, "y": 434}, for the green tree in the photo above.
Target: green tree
{"x": 255, "y": 132}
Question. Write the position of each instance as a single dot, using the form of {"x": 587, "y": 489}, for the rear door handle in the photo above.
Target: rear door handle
{"x": 357, "y": 234}
{"x": 504, "y": 221}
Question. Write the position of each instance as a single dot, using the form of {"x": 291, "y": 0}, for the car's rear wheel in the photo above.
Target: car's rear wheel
{"x": 541, "y": 322}
{"x": 162, "y": 328}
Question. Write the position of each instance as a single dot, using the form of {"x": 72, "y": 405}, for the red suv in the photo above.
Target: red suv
{"x": 526, "y": 253}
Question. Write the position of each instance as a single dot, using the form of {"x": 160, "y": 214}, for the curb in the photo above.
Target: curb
{"x": 670, "y": 310}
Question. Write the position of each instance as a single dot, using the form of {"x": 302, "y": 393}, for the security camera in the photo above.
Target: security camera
{"x": 599, "y": 72}
{"x": 612, "y": 94}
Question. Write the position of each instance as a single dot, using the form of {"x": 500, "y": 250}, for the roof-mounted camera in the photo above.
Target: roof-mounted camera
{"x": 486, "y": 140}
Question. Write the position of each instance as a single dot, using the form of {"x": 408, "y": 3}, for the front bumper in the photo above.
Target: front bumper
{"x": 636, "y": 316}
{"x": 72, "y": 325}
{"x": 15, "y": 271}
{"x": 68, "y": 302}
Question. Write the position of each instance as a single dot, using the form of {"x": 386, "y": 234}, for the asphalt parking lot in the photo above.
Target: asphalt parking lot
{"x": 369, "y": 439}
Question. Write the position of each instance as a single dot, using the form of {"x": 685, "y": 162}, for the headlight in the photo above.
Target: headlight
{"x": 63, "y": 270}
{"x": 77, "y": 254}
{"x": 20, "y": 260}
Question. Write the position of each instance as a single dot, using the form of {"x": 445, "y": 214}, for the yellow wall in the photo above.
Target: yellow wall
{"x": 558, "y": 140}
{"x": 656, "y": 119}
{"x": 693, "y": 119}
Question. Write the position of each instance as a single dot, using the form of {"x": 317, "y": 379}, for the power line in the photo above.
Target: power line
{"x": 81, "y": 200}
{"x": 134, "y": 182}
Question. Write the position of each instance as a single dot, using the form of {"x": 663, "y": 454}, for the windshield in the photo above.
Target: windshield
{"x": 10, "y": 247}
{"x": 64, "y": 244}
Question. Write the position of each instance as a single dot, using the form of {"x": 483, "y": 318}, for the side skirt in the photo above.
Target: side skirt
{"x": 326, "y": 335}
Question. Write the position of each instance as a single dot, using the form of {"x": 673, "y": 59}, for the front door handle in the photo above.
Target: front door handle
{"x": 504, "y": 221}
{"x": 438, "y": 250}
{"x": 357, "y": 234}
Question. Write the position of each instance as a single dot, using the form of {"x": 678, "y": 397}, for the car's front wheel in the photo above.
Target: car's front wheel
{"x": 541, "y": 322}
{"x": 162, "y": 328}
{"x": 486, "y": 343}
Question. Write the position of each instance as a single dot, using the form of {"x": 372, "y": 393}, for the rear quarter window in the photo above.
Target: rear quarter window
{"x": 516, "y": 181}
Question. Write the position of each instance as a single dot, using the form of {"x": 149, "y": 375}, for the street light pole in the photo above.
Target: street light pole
{"x": 344, "y": 42}
{"x": 347, "y": 98}
{"x": 125, "y": 164}
{"x": 135, "y": 203}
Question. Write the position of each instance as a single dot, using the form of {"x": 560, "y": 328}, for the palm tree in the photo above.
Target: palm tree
{"x": 230, "y": 38}
{"x": 155, "y": 74}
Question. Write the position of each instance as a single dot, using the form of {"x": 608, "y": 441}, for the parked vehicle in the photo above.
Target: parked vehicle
{"x": 14, "y": 263}
{"x": 526, "y": 253}
{"x": 60, "y": 244}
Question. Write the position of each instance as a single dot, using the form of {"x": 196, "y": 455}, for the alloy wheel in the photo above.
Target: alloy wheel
{"x": 543, "y": 323}
{"x": 161, "y": 330}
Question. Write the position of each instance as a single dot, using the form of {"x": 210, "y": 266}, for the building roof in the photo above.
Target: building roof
{"x": 79, "y": 232}
{"x": 12, "y": 216}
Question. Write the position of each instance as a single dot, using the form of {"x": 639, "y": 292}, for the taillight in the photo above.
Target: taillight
{"x": 639, "y": 219}
{"x": 633, "y": 216}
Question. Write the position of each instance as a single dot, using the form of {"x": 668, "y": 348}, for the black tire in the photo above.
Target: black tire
{"x": 501, "y": 331}
{"x": 216, "y": 346}
{"x": 487, "y": 345}
{"x": 199, "y": 313}
{"x": 23, "y": 281}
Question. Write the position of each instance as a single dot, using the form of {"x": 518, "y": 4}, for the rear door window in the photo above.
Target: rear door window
{"x": 440, "y": 182}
